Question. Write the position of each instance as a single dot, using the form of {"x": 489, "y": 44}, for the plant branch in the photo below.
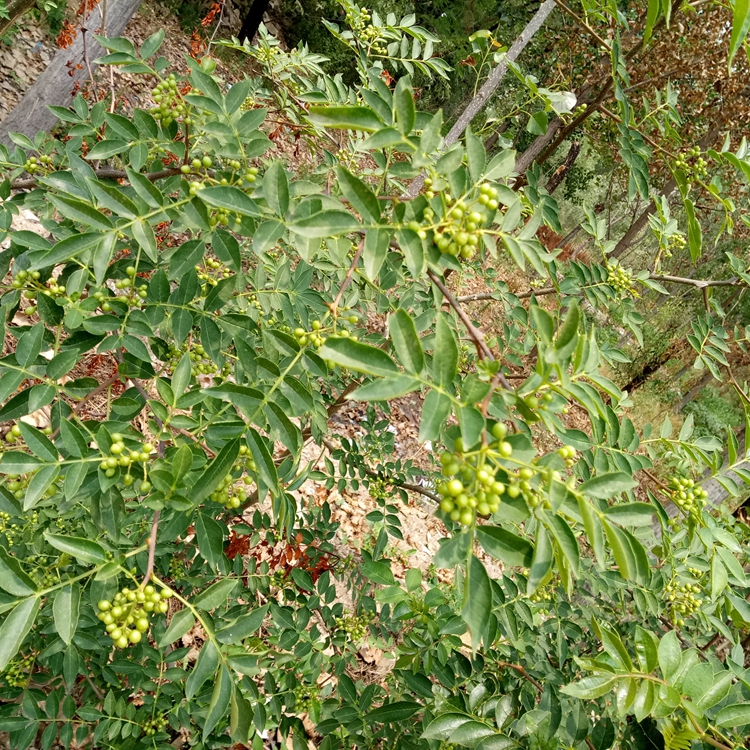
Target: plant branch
{"x": 491, "y": 84}
{"x": 569, "y": 11}
{"x": 151, "y": 548}
{"x": 522, "y": 671}
{"x": 348, "y": 279}
{"x": 27, "y": 183}
{"x": 79, "y": 406}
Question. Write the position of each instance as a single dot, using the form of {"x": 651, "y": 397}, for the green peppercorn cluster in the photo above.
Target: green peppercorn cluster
{"x": 125, "y": 617}
{"x": 674, "y": 242}
{"x": 359, "y": 21}
{"x": 473, "y": 488}
{"x": 205, "y": 273}
{"x": 227, "y": 494}
{"x": 135, "y": 293}
{"x": 14, "y": 434}
{"x": 458, "y": 230}
{"x": 355, "y": 626}
{"x": 18, "y": 672}
{"x": 569, "y": 454}
{"x": 695, "y": 169}
{"x": 121, "y": 457}
{"x": 177, "y": 567}
{"x": 620, "y": 279}
{"x": 168, "y": 103}
{"x": 200, "y": 362}
{"x": 33, "y": 165}
{"x": 154, "y": 726}
{"x": 542, "y": 595}
{"x": 304, "y": 697}
{"x": 688, "y": 496}
{"x": 684, "y": 597}
{"x": 29, "y": 282}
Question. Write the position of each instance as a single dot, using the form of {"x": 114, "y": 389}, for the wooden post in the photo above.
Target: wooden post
{"x": 55, "y": 86}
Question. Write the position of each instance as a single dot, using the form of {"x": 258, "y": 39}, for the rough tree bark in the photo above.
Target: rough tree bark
{"x": 557, "y": 132}
{"x": 55, "y": 86}
{"x": 15, "y": 9}
{"x": 491, "y": 84}
{"x": 561, "y": 172}
{"x": 253, "y": 19}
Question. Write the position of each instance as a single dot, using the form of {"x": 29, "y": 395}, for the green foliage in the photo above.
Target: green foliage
{"x": 157, "y": 537}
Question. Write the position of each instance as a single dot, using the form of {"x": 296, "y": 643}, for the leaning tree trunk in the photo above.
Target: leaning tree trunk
{"x": 56, "y": 85}
{"x": 561, "y": 172}
{"x": 15, "y": 9}
{"x": 253, "y": 20}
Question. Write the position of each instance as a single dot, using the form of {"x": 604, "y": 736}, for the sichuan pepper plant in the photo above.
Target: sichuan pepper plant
{"x": 165, "y": 574}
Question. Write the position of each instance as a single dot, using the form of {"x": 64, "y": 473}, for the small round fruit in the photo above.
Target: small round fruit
{"x": 122, "y": 642}
{"x": 135, "y": 636}
{"x": 145, "y": 487}
{"x": 467, "y": 517}
{"x": 103, "y": 605}
{"x": 141, "y": 624}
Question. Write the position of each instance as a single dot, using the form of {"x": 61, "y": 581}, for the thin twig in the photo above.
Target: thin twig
{"x": 522, "y": 671}
{"x": 348, "y": 279}
{"x": 583, "y": 25}
{"x": 151, "y": 548}
{"x": 216, "y": 29}
{"x": 700, "y": 283}
{"x": 79, "y": 406}
{"x": 84, "y": 30}
{"x": 27, "y": 183}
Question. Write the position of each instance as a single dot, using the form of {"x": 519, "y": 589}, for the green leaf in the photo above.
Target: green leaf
{"x": 83, "y": 550}
{"x": 477, "y": 600}
{"x": 205, "y": 668}
{"x": 392, "y": 713}
{"x": 358, "y": 357}
{"x": 445, "y": 355}
{"x": 276, "y": 188}
{"x": 215, "y": 472}
{"x": 39, "y": 484}
{"x": 181, "y": 623}
{"x": 217, "y": 708}
{"x": 591, "y": 687}
{"x": 405, "y": 341}
{"x": 413, "y": 249}
{"x": 733, "y": 715}
{"x": 107, "y": 148}
{"x": 13, "y": 631}
{"x": 361, "y": 198}
{"x": 328, "y": 223}
{"x": 719, "y": 577}
{"x": 435, "y": 412}
{"x": 243, "y": 627}
{"x": 567, "y": 334}
{"x": 442, "y": 727}
{"x": 210, "y": 536}
{"x": 38, "y": 442}
{"x": 476, "y": 155}
{"x": 29, "y": 345}
{"x": 608, "y": 485}
{"x": 403, "y": 101}
{"x": 505, "y": 546}
{"x": 623, "y": 554}
{"x": 375, "y": 252}
{"x": 15, "y": 462}
{"x": 631, "y": 514}
{"x": 263, "y": 459}
{"x": 541, "y": 560}
{"x": 385, "y": 389}
{"x": 670, "y": 655}
{"x": 65, "y": 610}
{"x": 215, "y": 595}
{"x": 740, "y": 27}
{"x": 12, "y": 577}
{"x": 646, "y": 645}
{"x": 378, "y": 572}
{"x": 231, "y": 198}
{"x": 566, "y": 541}
{"x": 346, "y": 118}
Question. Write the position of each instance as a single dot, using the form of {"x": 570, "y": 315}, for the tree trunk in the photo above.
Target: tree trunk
{"x": 490, "y": 85}
{"x": 253, "y": 19}
{"x": 15, "y": 9}
{"x": 562, "y": 171}
{"x": 545, "y": 145}
{"x": 56, "y": 85}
